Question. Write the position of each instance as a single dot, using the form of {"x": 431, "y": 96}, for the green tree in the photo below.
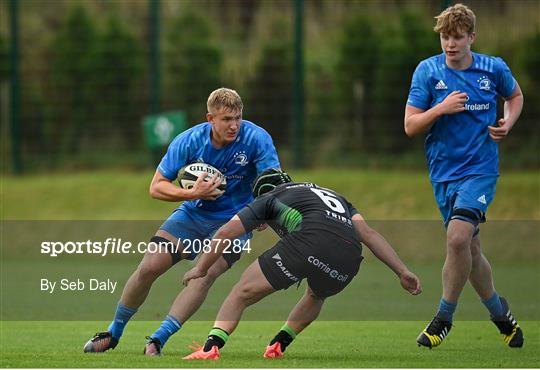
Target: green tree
{"x": 73, "y": 79}
{"x": 525, "y": 136}
{"x": 118, "y": 64}
{"x": 4, "y": 59}
{"x": 402, "y": 49}
{"x": 270, "y": 88}
{"x": 359, "y": 54}
{"x": 194, "y": 64}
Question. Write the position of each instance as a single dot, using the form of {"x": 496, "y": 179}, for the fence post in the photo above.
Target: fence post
{"x": 155, "y": 76}
{"x": 14, "y": 92}
{"x": 298, "y": 84}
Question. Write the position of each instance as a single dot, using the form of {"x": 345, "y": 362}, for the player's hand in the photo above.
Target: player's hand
{"x": 498, "y": 133}
{"x": 194, "y": 273}
{"x": 207, "y": 190}
{"x": 410, "y": 283}
{"x": 262, "y": 227}
{"x": 453, "y": 103}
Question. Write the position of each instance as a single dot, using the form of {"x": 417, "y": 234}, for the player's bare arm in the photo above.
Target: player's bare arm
{"x": 229, "y": 231}
{"x": 418, "y": 121}
{"x": 163, "y": 188}
{"x": 512, "y": 110}
{"x": 384, "y": 252}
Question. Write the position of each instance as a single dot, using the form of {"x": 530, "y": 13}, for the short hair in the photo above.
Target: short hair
{"x": 455, "y": 19}
{"x": 224, "y": 98}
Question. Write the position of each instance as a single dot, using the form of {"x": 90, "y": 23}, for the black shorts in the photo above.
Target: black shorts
{"x": 329, "y": 264}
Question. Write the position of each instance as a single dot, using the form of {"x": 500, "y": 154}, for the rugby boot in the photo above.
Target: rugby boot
{"x": 434, "y": 333}
{"x": 199, "y": 354}
{"x": 101, "y": 342}
{"x": 273, "y": 351}
{"x": 153, "y": 347}
{"x": 508, "y": 326}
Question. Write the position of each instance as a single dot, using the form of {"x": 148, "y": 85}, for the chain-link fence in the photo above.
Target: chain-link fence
{"x": 85, "y": 75}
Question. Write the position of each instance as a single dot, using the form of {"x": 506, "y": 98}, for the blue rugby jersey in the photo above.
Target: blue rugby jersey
{"x": 240, "y": 161}
{"x": 459, "y": 144}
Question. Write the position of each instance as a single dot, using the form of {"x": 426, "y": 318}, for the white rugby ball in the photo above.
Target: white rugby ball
{"x": 190, "y": 173}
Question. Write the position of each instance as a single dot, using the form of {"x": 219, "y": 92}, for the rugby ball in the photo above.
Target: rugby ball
{"x": 190, "y": 173}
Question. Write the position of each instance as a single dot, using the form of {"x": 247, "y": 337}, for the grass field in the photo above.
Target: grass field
{"x": 108, "y": 195}
{"x": 377, "y": 322}
{"x": 325, "y": 344}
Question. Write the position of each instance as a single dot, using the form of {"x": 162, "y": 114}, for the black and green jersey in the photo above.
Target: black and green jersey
{"x": 302, "y": 210}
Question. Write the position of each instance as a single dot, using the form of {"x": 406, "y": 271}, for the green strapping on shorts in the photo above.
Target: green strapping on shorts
{"x": 219, "y": 333}
{"x": 288, "y": 330}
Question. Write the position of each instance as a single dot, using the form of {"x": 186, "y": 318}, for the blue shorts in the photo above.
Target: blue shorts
{"x": 467, "y": 199}
{"x": 193, "y": 228}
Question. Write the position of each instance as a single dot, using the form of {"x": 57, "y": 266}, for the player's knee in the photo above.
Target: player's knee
{"x": 244, "y": 293}
{"x": 457, "y": 242}
{"x": 149, "y": 272}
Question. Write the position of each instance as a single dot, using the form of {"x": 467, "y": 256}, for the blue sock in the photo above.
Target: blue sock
{"x": 494, "y": 305}
{"x": 446, "y": 310}
{"x": 168, "y": 327}
{"x": 121, "y": 318}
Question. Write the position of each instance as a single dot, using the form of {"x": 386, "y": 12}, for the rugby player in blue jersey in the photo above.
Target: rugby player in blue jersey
{"x": 453, "y": 99}
{"x": 238, "y": 148}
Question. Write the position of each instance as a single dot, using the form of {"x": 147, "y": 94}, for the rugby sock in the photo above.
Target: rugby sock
{"x": 494, "y": 305}
{"x": 285, "y": 336}
{"x": 168, "y": 327}
{"x": 121, "y": 318}
{"x": 217, "y": 337}
{"x": 446, "y": 310}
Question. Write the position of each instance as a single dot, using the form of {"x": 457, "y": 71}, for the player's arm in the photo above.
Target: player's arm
{"x": 163, "y": 188}
{"x": 384, "y": 252}
{"x": 418, "y": 121}
{"x": 228, "y": 232}
{"x": 512, "y": 110}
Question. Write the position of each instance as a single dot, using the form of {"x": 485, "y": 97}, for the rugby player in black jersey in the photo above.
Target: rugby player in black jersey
{"x": 321, "y": 236}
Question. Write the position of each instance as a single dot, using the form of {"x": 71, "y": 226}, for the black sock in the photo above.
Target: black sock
{"x": 283, "y": 338}
{"x": 217, "y": 337}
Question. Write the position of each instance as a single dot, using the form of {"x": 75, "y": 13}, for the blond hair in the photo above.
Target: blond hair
{"x": 455, "y": 19}
{"x": 224, "y": 98}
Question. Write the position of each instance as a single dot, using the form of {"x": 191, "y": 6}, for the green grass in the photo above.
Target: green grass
{"x": 378, "y": 321}
{"x": 107, "y": 195}
{"x": 358, "y": 344}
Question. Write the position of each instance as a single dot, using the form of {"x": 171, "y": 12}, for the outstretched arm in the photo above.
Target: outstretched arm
{"x": 384, "y": 252}
{"x": 231, "y": 230}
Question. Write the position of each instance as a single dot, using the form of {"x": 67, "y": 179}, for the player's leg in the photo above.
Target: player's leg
{"x": 155, "y": 262}
{"x": 481, "y": 279}
{"x": 468, "y": 200}
{"x": 187, "y": 302}
{"x": 345, "y": 260}
{"x": 195, "y": 231}
{"x": 457, "y": 265}
{"x": 303, "y": 314}
{"x": 455, "y": 273}
{"x": 153, "y": 265}
{"x": 252, "y": 287}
